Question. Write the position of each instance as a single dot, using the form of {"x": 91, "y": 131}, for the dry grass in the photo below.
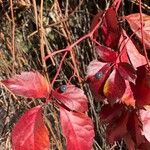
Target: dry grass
{"x": 33, "y": 29}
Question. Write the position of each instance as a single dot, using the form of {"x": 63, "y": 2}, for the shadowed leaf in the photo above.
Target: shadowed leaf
{"x": 141, "y": 89}
{"x": 115, "y": 131}
{"x": 134, "y": 127}
{"x": 110, "y": 29}
{"x": 106, "y": 54}
{"x": 95, "y": 21}
{"x": 129, "y": 142}
{"x": 94, "y": 67}
{"x": 109, "y": 113}
{"x": 127, "y": 72}
{"x": 96, "y": 81}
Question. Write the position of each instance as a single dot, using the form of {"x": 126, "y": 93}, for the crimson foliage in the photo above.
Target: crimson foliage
{"x": 119, "y": 78}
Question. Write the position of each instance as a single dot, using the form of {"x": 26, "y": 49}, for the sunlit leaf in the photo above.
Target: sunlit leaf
{"x": 114, "y": 87}
{"x": 30, "y": 132}
{"x": 127, "y": 46}
{"x": 28, "y": 84}
{"x": 135, "y": 23}
{"x": 145, "y": 120}
{"x": 128, "y": 97}
{"x": 77, "y": 129}
{"x": 73, "y": 97}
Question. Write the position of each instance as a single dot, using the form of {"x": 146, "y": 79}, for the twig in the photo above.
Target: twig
{"x": 42, "y": 37}
{"x": 13, "y": 30}
{"x": 59, "y": 68}
{"x": 144, "y": 6}
{"x": 35, "y": 13}
{"x": 70, "y": 47}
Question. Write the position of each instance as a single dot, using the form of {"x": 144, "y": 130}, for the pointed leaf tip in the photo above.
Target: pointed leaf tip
{"x": 135, "y": 57}
{"x": 28, "y": 84}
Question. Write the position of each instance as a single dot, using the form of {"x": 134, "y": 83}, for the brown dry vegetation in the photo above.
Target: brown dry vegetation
{"x": 32, "y": 29}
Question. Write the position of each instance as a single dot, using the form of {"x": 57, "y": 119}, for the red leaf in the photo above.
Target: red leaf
{"x": 141, "y": 89}
{"x": 73, "y": 97}
{"x": 127, "y": 72}
{"x": 135, "y": 57}
{"x": 145, "y": 119}
{"x": 123, "y": 57}
{"x": 97, "y": 78}
{"x": 135, "y": 24}
{"x": 116, "y": 4}
{"x": 95, "y": 21}
{"x": 109, "y": 113}
{"x": 30, "y": 132}
{"x": 28, "y": 84}
{"x": 144, "y": 146}
{"x": 106, "y": 54}
{"x": 77, "y": 129}
{"x": 94, "y": 67}
{"x": 110, "y": 29}
{"x": 114, "y": 87}
{"x": 129, "y": 142}
{"x": 134, "y": 128}
{"x": 116, "y": 131}
{"x": 128, "y": 97}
